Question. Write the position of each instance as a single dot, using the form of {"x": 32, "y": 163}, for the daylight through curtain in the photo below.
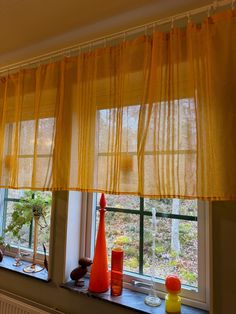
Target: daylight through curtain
{"x": 153, "y": 116}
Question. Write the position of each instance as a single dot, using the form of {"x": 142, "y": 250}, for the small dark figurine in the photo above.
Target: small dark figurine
{"x": 1, "y": 255}
{"x": 80, "y": 271}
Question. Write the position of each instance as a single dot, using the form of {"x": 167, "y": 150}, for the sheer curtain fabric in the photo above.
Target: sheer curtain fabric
{"x": 153, "y": 116}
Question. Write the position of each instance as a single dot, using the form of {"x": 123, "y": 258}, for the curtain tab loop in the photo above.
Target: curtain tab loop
{"x": 209, "y": 11}
{"x": 68, "y": 54}
{"x": 104, "y": 42}
{"x": 124, "y": 36}
{"x": 172, "y": 22}
{"x": 233, "y": 5}
{"x": 39, "y": 63}
{"x": 189, "y": 17}
{"x": 50, "y": 59}
{"x": 153, "y": 28}
{"x": 146, "y": 30}
{"x": 215, "y": 5}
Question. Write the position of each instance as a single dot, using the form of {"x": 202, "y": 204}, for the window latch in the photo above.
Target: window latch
{"x": 25, "y": 254}
{"x": 140, "y": 284}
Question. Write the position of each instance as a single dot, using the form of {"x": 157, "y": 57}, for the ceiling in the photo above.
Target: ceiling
{"x": 33, "y": 27}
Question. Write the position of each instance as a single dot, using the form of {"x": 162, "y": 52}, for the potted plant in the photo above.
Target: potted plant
{"x": 33, "y": 206}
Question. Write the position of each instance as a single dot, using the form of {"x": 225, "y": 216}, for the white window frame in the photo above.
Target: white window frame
{"x": 191, "y": 297}
{"x": 27, "y": 253}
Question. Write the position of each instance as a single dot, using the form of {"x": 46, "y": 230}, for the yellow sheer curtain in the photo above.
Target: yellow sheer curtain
{"x": 153, "y": 116}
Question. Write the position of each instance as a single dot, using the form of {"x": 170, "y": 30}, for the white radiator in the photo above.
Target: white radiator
{"x": 12, "y": 306}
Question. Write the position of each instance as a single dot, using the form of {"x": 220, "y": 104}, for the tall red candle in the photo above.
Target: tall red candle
{"x": 117, "y": 256}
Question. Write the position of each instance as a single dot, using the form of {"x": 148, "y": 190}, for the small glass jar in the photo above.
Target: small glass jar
{"x": 18, "y": 258}
{"x": 117, "y": 256}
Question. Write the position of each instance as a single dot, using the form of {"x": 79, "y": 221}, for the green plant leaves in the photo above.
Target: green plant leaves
{"x": 30, "y": 205}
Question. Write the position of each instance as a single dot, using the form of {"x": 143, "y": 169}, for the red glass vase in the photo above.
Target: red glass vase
{"x": 117, "y": 256}
{"x": 99, "y": 278}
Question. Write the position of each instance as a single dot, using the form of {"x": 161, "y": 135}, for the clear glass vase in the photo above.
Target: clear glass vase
{"x": 18, "y": 258}
{"x": 152, "y": 299}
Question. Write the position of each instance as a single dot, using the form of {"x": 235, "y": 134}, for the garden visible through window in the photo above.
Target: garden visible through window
{"x": 128, "y": 222}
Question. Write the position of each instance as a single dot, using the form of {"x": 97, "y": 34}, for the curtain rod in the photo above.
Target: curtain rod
{"x": 133, "y": 30}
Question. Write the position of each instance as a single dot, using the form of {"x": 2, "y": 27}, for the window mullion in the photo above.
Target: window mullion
{"x": 5, "y": 211}
{"x": 141, "y": 235}
{"x": 30, "y": 234}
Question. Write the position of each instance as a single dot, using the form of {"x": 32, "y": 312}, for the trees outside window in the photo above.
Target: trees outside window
{"x": 128, "y": 222}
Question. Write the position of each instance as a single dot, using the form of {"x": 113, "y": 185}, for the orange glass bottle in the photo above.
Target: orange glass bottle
{"x": 117, "y": 256}
{"x": 99, "y": 277}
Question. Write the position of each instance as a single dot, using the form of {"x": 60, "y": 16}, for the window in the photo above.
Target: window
{"x": 34, "y": 155}
{"x": 180, "y": 242}
{"x": 9, "y": 198}
{"x": 131, "y": 156}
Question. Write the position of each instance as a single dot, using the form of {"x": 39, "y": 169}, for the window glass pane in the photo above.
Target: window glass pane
{"x": 176, "y": 249}
{"x": 172, "y": 206}
{"x": 121, "y": 201}
{"x": 123, "y": 229}
{"x": 45, "y": 135}
{"x": 107, "y": 120}
{"x": 44, "y": 232}
{"x": 24, "y": 232}
{"x": 27, "y": 233}
{"x": 15, "y": 193}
